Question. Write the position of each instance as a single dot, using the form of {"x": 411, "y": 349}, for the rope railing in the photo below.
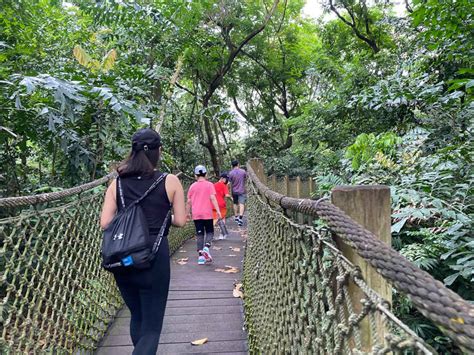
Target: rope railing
{"x": 9, "y": 202}
{"x": 315, "y": 290}
{"x": 56, "y": 298}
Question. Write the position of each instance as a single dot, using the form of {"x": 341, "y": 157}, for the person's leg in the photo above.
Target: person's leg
{"x": 131, "y": 297}
{"x": 235, "y": 199}
{"x": 209, "y": 228}
{"x": 242, "y": 200}
{"x": 222, "y": 226}
{"x": 154, "y": 298}
{"x": 199, "y": 224}
{"x": 217, "y": 222}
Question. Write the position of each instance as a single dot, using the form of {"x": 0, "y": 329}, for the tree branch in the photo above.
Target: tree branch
{"x": 371, "y": 42}
{"x": 239, "y": 110}
{"x": 408, "y": 7}
{"x": 219, "y": 76}
{"x": 185, "y": 89}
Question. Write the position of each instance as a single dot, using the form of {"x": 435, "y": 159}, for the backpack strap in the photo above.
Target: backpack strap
{"x": 119, "y": 184}
{"x": 150, "y": 189}
{"x": 159, "y": 237}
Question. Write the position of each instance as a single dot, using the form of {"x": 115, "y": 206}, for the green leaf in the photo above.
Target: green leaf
{"x": 448, "y": 281}
{"x": 397, "y": 227}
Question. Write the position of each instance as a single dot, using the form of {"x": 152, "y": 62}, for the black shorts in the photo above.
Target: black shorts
{"x": 204, "y": 225}
{"x": 239, "y": 199}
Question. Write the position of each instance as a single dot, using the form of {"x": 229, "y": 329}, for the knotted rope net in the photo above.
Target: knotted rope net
{"x": 56, "y": 298}
{"x": 298, "y": 285}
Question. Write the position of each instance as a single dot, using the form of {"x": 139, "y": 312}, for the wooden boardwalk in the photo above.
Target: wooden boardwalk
{"x": 200, "y": 304}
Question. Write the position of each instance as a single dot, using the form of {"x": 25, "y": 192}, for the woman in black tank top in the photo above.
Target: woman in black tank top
{"x": 145, "y": 292}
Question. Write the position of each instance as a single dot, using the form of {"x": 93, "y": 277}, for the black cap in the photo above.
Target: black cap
{"x": 224, "y": 175}
{"x": 145, "y": 138}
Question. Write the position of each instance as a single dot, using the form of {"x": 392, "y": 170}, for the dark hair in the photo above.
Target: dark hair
{"x": 141, "y": 162}
{"x": 235, "y": 163}
{"x": 201, "y": 174}
{"x": 225, "y": 177}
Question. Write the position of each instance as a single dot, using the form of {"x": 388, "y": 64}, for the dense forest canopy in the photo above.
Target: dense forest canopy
{"x": 363, "y": 94}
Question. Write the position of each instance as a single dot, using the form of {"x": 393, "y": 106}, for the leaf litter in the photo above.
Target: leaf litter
{"x": 199, "y": 341}
{"x": 228, "y": 270}
{"x": 182, "y": 261}
{"x": 237, "y": 292}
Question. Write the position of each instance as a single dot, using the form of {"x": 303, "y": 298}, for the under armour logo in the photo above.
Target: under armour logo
{"x": 118, "y": 236}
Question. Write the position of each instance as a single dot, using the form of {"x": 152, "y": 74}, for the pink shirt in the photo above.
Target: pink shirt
{"x": 200, "y": 196}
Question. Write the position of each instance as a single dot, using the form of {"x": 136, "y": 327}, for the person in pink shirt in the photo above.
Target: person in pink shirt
{"x": 201, "y": 200}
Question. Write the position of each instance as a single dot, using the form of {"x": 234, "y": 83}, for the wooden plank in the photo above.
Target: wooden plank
{"x": 182, "y": 348}
{"x": 196, "y": 318}
{"x": 203, "y": 302}
{"x": 123, "y": 329}
{"x": 194, "y": 295}
{"x": 171, "y": 338}
{"x": 125, "y": 313}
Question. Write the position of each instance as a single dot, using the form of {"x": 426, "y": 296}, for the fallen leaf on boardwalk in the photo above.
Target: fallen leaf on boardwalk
{"x": 237, "y": 291}
{"x": 234, "y": 249}
{"x": 229, "y": 270}
{"x": 216, "y": 248}
{"x": 182, "y": 261}
{"x": 182, "y": 251}
{"x": 199, "y": 342}
{"x": 231, "y": 255}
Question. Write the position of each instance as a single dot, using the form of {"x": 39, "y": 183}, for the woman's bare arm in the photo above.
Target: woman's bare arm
{"x": 175, "y": 192}
{"x": 109, "y": 208}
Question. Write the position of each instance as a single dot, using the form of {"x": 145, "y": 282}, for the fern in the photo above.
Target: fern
{"x": 325, "y": 183}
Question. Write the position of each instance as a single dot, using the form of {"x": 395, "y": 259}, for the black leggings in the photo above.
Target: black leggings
{"x": 145, "y": 292}
{"x": 204, "y": 232}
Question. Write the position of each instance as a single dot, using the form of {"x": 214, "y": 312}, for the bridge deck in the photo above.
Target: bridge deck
{"x": 200, "y": 305}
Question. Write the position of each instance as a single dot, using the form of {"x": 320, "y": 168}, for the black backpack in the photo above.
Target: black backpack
{"x": 125, "y": 240}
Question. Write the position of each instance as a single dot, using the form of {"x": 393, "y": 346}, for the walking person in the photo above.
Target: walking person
{"x": 201, "y": 200}
{"x": 222, "y": 192}
{"x": 145, "y": 291}
{"x": 237, "y": 178}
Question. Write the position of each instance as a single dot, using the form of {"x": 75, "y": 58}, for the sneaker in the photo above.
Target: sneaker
{"x": 221, "y": 237}
{"x": 236, "y": 218}
{"x": 207, "y": 255}
{"x": 201, "y": 260}
{"x": 240, "y": 222}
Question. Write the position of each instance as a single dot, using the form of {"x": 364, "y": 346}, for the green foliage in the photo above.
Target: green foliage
{"x": 368, "y": 146}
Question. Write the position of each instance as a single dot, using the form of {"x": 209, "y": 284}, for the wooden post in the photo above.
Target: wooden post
{"x": 299, "y": 216}
{"x": 274, "y": 182}
{"x": 370, "y": 207}
{"x": 298, "y": 187}
{"x": 310, "y": 219}
{"x": 286, "y": 185}
{"x": 311, "y": 186}
{"x": 257, "y": 165}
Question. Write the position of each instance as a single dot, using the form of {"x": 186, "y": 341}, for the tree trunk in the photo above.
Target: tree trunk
{"x": 210, "y": 145}
{"x": 220, "y": 151}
